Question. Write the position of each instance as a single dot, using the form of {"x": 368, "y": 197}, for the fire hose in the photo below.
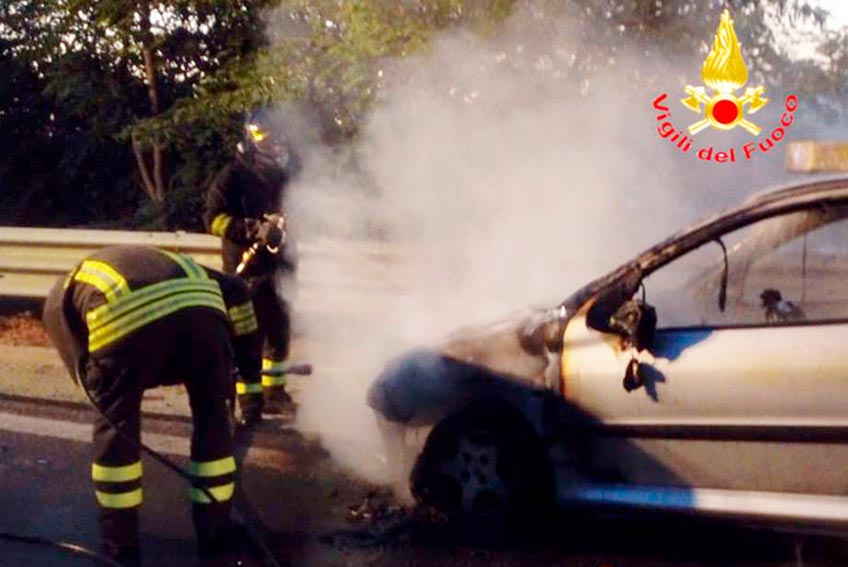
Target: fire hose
{"x": 247, "y": 525}
{"x": 250, "y": 530}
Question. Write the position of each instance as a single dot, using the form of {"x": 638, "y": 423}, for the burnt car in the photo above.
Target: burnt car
{"x": 707, "y": 375}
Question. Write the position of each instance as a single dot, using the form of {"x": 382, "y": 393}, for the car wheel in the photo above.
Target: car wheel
{"x": 486, "y": 471}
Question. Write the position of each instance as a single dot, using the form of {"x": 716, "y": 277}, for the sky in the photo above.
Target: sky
{"x": 804, "y": 45}
{"x": 838, "y": 8}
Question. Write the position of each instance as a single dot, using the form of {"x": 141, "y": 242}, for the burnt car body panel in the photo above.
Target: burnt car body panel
{"x": 743, "y": 419}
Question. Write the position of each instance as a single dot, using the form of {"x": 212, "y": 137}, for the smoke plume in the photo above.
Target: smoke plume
{"x": 492, "y": 174}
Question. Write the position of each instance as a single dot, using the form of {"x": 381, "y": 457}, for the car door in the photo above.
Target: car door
{"x": 751, "y": 397}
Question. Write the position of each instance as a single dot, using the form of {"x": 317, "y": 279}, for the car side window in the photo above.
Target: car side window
{"x": 786, "y": 269}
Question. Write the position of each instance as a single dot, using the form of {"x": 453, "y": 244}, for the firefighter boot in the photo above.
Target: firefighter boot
{"x": 277, "y": 400}
{"x": 215, "y": 535}
{"x": 119, "y": 535}
{"x": 251, "y": 409}
{"x": 125, "y": 556}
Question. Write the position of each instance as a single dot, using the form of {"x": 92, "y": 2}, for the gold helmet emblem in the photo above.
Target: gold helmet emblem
{"x": 724, "y": 71}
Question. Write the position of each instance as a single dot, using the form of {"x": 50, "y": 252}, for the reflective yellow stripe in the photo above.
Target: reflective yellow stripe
{"x": 268, "y": 364}
{"x": 220, "y": 224}
{"x": 243, "y": 319}
{"x": 112, "y": 321}
{"x": 221, "y": 493}
{"x": 106, "y": 313}
{"x": 127, "y": 311}
{"x": 274, "y": 381}
{"x": 241, "y": 311}
{"x": 116, "y": 474}
{"x": 226, "y": 465}
{"x": 273, "y": 366}
{"x": 115, "y": 330}
{"x": 189, "y": 266}
{"x": 245, "y": 328}
{"x": 236, "y": 317}
{"x": 121, "y": 500}
{"x": 248, "y": 388}
{"x": 103, "y": 277}
{"x": 256, "y": 132}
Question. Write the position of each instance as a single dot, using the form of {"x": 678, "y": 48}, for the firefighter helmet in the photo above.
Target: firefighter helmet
{"x": 266, "y": 139}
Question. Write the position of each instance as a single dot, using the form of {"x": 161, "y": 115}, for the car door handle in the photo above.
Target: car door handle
{"x": 633, "y": 378}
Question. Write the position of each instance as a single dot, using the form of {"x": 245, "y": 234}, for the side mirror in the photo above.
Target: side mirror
{"x": 636, "y": 322}
{"x": 612, "y": 299}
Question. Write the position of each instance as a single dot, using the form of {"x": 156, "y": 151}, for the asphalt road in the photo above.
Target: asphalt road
{"x": 309, "y": 511}
{"x": 302, "y": 504}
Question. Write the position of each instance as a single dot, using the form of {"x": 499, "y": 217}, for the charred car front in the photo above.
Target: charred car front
{"x": 709, "y": 375}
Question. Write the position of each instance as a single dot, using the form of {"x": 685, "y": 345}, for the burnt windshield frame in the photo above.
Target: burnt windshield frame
{"x": 736, "y": 263}
{"x": 611, "y": 288}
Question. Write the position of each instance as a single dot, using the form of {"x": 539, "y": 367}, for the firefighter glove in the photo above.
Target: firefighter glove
{"x": 269, "y": 234}
{"x": 251, "y": 228}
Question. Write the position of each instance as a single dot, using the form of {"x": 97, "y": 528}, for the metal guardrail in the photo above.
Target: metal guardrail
{"x": 32, "y": 259}
{"x": 332, "y": 274}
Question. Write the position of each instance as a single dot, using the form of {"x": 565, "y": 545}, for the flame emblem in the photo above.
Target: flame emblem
{"x": 724, "y": 71}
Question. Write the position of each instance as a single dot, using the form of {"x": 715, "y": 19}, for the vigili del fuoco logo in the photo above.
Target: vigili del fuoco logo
{"x": 724, "y": 72}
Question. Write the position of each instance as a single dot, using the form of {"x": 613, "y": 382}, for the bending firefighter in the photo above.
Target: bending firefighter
{"x": 132, "y": 318}
{"x": 243, "y": 207}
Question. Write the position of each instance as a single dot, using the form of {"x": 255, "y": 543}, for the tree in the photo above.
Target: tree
{"x": 54, "y": 138}
{"x": 326, "y": 54}
{"x": 159, "y": 49}
{"x": 103, "y": 95}
{"x": 330, "y": 54}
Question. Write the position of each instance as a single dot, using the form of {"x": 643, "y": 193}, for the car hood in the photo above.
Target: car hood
{"x": 525, "y": 347}
{"x": 523, "y": 350}
{"x": 424, "y": 384}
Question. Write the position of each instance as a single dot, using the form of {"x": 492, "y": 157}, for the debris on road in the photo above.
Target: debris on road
{"x": 23, "y": 328}
{"x": 378, "y": 506}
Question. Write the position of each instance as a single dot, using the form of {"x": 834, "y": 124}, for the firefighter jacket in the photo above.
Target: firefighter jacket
{"x": 237, "y": 199}
{"x": 119, "y": 290}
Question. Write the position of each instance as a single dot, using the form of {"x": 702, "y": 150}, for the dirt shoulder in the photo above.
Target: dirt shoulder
{"x": 22, "y": 329}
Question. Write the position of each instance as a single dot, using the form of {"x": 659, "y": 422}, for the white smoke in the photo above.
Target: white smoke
{"x": 504, "y": 177}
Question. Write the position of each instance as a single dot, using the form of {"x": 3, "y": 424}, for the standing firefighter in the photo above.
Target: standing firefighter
{"x": 132, "y": 318}
{"x": 243, "y": 207}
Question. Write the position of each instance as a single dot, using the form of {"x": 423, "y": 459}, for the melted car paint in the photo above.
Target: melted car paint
{"x": 670, "y": 343}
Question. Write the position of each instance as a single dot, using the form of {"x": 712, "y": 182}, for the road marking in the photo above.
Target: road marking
{"x": 162, "y": 443}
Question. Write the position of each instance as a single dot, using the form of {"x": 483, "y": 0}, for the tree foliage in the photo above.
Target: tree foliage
{"x": 325, "y": 53}
{"x": 102, "y": 97}
{"x": 99, "y": 68}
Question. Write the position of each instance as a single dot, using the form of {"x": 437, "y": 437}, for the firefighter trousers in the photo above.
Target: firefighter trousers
{"x": 272, "y": 316}
{"x": 191, "y": 346}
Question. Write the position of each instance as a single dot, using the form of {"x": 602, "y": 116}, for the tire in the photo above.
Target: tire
{"x": 485, "y": 470}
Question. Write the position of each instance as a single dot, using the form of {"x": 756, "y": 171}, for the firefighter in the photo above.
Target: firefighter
{"x": 243, "y": 207}
{"x": 130, "y": 318}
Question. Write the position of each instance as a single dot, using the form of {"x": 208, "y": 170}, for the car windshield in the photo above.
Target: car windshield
{"x": 796, "y": 254}
{"x": 745, "y": 247}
